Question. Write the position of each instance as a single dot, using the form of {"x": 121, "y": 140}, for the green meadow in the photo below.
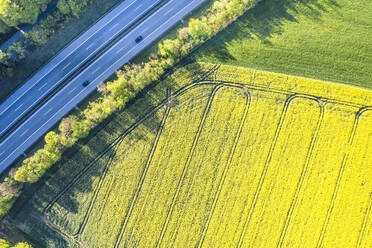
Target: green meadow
{"x": 322, "y": 39}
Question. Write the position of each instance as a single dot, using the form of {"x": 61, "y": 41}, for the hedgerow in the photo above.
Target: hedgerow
{"x": 131, "y": 79}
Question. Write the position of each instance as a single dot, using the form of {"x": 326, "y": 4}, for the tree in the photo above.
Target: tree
{"x": 22, "y": 245}
{"x": 7, "y": 244}
{"x": 80, "y": 129}
{"x": 52, "y": 142}
{"x": 73, "y": 7}
{"x": 199, "y": 29}
{"x": 15, "y": 12}
{"x": 5, "y": 205}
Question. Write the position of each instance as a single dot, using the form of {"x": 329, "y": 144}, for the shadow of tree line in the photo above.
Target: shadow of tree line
{"x": 264, "y": 21}
{"x": 78, "y": 158}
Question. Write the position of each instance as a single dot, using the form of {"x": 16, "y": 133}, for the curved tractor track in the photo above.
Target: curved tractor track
{"x": 204, "y": 79}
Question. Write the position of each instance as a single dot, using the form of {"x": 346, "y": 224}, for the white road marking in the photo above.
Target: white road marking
{"x": 48, "y": 111}
{"x": 73, "y": 50}
{"x": 42, "y": 125}
{"x": 147, "y": 28}
{"x": 127, "y": 24}
{"x": 90, "y": 46}
{"x": 18, "y": 107}
{"x": 121, "y": 49}
{"x": 95, "y": 70}
{"x": 66, "y": 66}
{"x": 24, "y": 132}
{"x": 114, "y": 26}
{"x": 2, "y": 153}
{"x": 139, "y": 6}
{"x": 42, "y": 86}
{"x": 71, "y": 90}
{"x": 166, "y": 13}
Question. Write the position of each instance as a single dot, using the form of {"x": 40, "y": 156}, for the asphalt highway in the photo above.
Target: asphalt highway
{"x": 70, "y": 59}
{"x": 71, "y": 94}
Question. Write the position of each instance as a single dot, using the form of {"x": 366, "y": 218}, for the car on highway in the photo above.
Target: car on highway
{"x": 138, "y": 39}
{"x": 86, "y": 82}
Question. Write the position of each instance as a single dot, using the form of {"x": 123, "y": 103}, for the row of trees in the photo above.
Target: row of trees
{"x": 116, "y": 94}
{"x": 130, "y": 80}
{"x": 41, "y": 33}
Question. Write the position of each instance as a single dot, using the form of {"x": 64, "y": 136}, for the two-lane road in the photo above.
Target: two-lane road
{"x": 70, "y": 59}
{"x": 73, "y": 93}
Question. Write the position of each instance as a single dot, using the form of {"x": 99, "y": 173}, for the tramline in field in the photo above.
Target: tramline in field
{"x": 236, "y": 158}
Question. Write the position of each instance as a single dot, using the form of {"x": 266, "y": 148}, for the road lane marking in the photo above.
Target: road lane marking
{"x": 121, "y": 49}
{"x": 147, "y": 28}
{"x": 2, "y": 153}
{"x": 166, "y": 13}
{"x": 139, "y": 6}
{"x": 66, "y": 66}
{"x": 114, "y": 26}
{"x": 73, "y": 50}
{"x": 24, "y": 132}
{"x": 95, "y": 70}
{"x": 72, "y": 90}
{"x": 148, "y": 7}
{"x": 90, "y": 46}
{"x": 48, "y": 111}
{"x": 42, "y": 125}
{"x": 18, "y": 107}
{"x": 42, "y": 86}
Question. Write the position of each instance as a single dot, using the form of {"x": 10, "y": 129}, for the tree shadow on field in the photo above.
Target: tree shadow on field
{"x": 262, "y": 22}
{"x": 78, "y": 166}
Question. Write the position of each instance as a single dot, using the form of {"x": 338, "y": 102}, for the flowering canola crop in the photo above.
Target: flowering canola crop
{"x": 248, "y": 159}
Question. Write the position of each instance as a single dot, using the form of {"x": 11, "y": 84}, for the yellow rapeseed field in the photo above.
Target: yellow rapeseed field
{"x": 244, "y": 158}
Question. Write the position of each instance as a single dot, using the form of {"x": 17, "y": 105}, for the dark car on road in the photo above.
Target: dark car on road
{"x": 86, "y": 83}
{"x": 138, "y": 39}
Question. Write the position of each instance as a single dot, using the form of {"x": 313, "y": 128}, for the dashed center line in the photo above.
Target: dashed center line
{"x": 72, "y": 90}
{"x": 66, "y": 66}
{"x": 99, "y": 67}
{"x": 24, "y": 132}
{"x": 121, "y": 49}
{"x": 48, "y": 111}
{"x": 114, "y": 26}
{"x": 147, "y": 28}
{"x": 42, "y": 86}
{"x": 166, "y": 13}
{"x": 139, "y": 6}
{"x": 90, "y": 46}
{"x": 18, "y": 107}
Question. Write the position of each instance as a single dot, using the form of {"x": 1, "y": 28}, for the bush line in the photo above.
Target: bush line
{"x": 131, "y": 79}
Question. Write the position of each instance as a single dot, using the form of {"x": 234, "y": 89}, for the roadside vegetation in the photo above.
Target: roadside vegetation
{"x": 47, "y": 38}
{"x": 116, "y": 94}
{"x": 323, "y": 39}
{"x": 215, "y": 137}
{"x": 128, "y": 88}
{"x": 6, "y": 244}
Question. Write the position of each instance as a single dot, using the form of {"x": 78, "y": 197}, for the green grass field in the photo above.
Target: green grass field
{"x": 181, "y": 166}
{"x": 322, "y": 39}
